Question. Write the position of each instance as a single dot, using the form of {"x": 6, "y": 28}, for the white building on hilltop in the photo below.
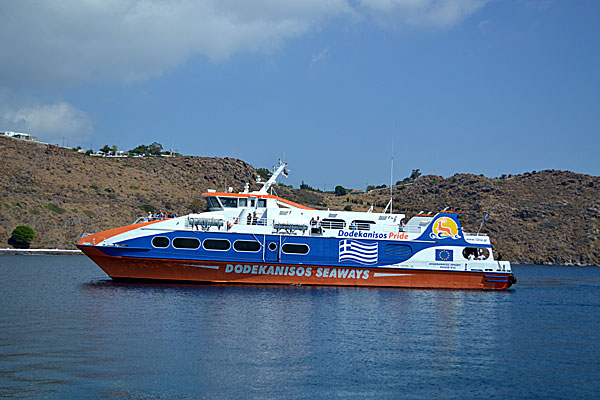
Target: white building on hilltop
{"x": 20, "y": 136}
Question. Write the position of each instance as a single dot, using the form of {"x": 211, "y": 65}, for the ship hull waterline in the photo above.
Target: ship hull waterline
{"x": 156, "y": 269}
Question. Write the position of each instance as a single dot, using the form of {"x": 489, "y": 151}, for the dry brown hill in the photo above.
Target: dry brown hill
{"x": 546, "y": 217}
{"x": 62, "y": 194}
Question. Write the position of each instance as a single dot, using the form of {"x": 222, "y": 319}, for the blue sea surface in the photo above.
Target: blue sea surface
{"x": 67, "y": 331}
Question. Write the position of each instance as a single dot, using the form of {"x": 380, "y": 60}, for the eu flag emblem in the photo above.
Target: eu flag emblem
{"x": 444, "y": 255}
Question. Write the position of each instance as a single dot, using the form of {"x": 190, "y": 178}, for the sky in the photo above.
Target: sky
{"x": 336, "y": 88}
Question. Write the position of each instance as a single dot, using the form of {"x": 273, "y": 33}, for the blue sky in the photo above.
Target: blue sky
{"x": 458, "y": 86}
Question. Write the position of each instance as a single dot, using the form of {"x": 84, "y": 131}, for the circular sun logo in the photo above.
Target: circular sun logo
{"x": 444, "y": 227}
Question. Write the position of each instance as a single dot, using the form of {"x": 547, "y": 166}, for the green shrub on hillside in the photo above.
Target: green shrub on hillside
{"x": 147, "y": 207}
{"x": 21, "y": 237}
{"x": 89, "y": 213}
{"x": 56, "y": 209}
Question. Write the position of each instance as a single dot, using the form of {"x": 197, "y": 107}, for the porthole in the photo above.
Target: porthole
{"x": 272, "y": 246}
{"x": 294, "y": 248}
{"x": 216, "y": 244}
{"x": 160, "y": 241}
{"x": 246, "y": 245}
{"x": 186, "y": 243}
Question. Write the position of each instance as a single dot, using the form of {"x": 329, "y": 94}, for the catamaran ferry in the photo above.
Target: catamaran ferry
{"x": 260, "y": 238}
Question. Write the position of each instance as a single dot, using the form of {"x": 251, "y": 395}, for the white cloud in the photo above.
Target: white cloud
{"x": 46, "y": 43}
{"x": 50, "y": 122}
{"x": 320, "y": 56}
{"x": 435, "y": 13}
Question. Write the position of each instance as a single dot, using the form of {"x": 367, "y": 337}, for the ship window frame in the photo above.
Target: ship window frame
{"x": 243, "y": 202}
{"x": 361, "y": 224}
{"x": 213, "y": 203}
{"x": 216, "y": 240}
{"x": 160, "y": 237}
{"x": 261, "y": 203}
{"x": 247, "y": 241}
{"x": 295, "y": 244}
{"x": 185, "y": 248}
{"x": 228, "y": 202}
{"x": 333, "y": 223}
{"x": 469, "y": 249}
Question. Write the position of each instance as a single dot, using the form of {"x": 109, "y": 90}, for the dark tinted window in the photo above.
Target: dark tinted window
{"x": 246, "y": 245}
{"x": 213, "y": 203}
{"x": 262, "y": 203}
{"x": 229, "y": 201}
{"x": 186, "y": 243}
{"x": 476, "y": 253}
{"x": 160, "y": 241}
{"x": 293, "y": 248}
{"x": 216, "y": 244}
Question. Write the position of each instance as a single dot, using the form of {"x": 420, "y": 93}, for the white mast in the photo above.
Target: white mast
{"x": 267, "y": 185}
{"x": 392, "y": 169}
{"x": 389, "y": 204}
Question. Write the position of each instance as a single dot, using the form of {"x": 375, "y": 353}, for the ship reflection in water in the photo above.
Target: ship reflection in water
{"x": 65, "y": 331}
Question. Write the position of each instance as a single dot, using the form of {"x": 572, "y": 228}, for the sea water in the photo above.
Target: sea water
{"x": 67, "y": 331}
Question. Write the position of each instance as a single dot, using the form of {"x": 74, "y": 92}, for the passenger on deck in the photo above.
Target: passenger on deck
{"x": 353, "y": 226}
{"x": 318, "y": 225}
{"x": 249, "y": 219}
{"x": 471, "y": 256}
{"x": 254, "y": 219}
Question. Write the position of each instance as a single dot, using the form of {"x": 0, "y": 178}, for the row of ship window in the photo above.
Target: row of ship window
{"x": 398, "y": 250}
{"x": 224, "y": 245}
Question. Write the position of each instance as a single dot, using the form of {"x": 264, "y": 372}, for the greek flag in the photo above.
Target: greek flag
{"x": 360, "y": 252}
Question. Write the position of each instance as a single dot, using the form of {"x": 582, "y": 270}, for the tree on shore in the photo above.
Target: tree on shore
{"x": 21, "y": 237}
{"x": 106, "y": 149}
{"x": 341, "y": 191}
{"x": 413, "y": 175}
{"x": 264, "y": 173}
{"x": 154, "y": 149}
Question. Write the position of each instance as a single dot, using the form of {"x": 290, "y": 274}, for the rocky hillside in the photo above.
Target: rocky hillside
{"x": 546, "y": 217}
{"x": 62, "y": 194}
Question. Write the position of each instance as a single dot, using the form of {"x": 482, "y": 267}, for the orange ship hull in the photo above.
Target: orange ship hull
{"x": 139, "y": 268}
